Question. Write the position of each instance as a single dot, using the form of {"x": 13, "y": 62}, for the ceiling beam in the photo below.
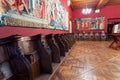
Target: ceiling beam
{"x": 79, "y": 4}
{"x": 102, "y": 3}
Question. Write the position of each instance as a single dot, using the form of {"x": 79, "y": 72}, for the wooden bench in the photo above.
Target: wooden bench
{"x": 16, "y": 64}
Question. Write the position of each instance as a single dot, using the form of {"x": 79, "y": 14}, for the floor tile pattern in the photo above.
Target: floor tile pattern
{"x": 90, "y": 60}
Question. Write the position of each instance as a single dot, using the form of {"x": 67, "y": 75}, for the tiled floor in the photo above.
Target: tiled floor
{"x": 90, "y": 60}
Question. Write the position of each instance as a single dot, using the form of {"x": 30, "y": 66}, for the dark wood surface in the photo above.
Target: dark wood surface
{"x": 55, "y": 51}
{"x": 19, "y": 65}
{"x": 60, "y": 44}
{"x": 27, "y": 57}
{"x": 116, "y": 41}
{"x": 44, "y": 53}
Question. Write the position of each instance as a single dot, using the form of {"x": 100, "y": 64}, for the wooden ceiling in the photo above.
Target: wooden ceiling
{"x": 96, "y": 4}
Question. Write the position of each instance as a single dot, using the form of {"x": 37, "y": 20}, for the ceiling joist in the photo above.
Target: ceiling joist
{"x": 102, "y": 3}
{"x": 95, "y": 4}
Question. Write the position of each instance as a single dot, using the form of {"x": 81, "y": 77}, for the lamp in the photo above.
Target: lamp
{"x": 86, "y": 11}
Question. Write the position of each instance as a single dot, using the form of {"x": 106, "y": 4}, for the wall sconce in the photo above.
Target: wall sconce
{"x": 68, "y": 2}
{"x": 97, "y": 10}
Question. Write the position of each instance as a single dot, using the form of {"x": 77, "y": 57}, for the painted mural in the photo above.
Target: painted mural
{"x": 56, "y": 15}
{"x": 33, "y": 13}
{"x": 90, "y": 23}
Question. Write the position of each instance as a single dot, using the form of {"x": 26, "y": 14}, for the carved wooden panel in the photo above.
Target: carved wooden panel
{"x": 26, "y": 45}
{"x": 60, "y": 44}
{"x": 19, "y": 65}
{"x": 5, "y": 72}
{"x": 36, "y": 68}
{"x": 3, "y": 55}
{"x": 43, "y": 40}
{"x": 55, "y": 52}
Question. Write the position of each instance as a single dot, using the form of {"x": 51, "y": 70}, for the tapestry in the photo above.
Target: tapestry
{"x": 33, "y": 13}
{"x": 89, "y": 23}
{"x": 56, "y": 15}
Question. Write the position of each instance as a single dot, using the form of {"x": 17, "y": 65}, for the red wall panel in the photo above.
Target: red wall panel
{"x": 6, "y": 31}
{"x": 107, "y": 12}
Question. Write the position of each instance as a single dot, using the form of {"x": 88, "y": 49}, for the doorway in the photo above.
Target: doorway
{"x": 111, "y": 23}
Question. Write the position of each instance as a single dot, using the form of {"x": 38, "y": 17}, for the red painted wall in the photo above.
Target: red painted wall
{"x": 107, "y": 12}
{"x": 6, "y": 30}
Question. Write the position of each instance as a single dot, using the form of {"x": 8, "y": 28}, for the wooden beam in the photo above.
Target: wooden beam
{"x": 102, "y": 3}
